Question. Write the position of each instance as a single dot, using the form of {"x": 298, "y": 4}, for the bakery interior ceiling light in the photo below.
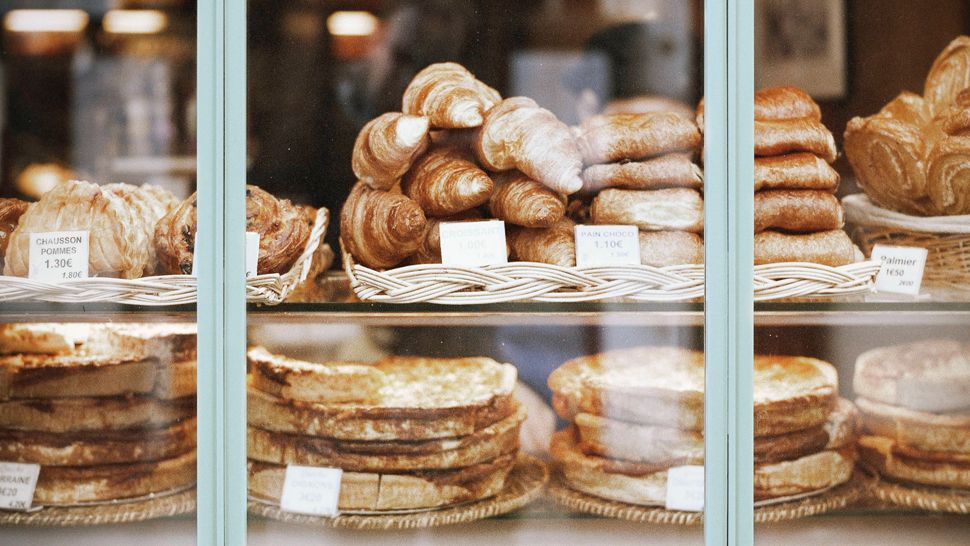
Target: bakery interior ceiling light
{"x": 118, "y": 21}
{"x": 352, "y": 23}
{"x": 45, "y": 20}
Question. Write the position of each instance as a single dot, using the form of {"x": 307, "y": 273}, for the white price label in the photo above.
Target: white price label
{"x": 607, "y": 245}
{"x": 902, "y": 268}
{"x": 17, "y": 483}
{"x": 252, "y": 253}
{"x": 472, "y": 244}
{"x": 58, "y": 255}
{"x": 685, "y": 488}
{"x": 311, "y": 490}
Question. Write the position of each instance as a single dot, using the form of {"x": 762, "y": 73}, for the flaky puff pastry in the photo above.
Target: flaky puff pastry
{"x": 777, "y": 103}
{"x": 797, "y": 210}
{"x": 525, "y": 202}
{"x": 955, "y": 118}
{"x": 554, "y": 245}
{"x": 447, "y": 181}
{"x": 450, "y": 96}
{"x": 603, "y": 139}
{"x": 949, "y": 75}
{"x": 800, "y": 171}
{"x": 674, "y": 209}
{"x": 387, "y": 146}
{"x": 795, "y": 135}
{"x": 665, "y": 248}
{"x": 518, "y": 134}
{"x": 379, "y": 228}
{"x": 887, "y": 152}
{"x": 832, "y": 248}
{"x": 10, "y": 212}
{"x": 670, "y": 170}
{"x": 150, "y": 204}
{"x": 118, "y": 247}
{"x": 282, "y": 227}
{"x": 948, "y": 175}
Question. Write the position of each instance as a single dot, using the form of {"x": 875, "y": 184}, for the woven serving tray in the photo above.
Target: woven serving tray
{"x": 931, "y": 499}
{"x": 152, "y": 507}
{"x": 524, "y": 485}
{"x": 946, "y": 238}
{"x": 269, "y": 289}
{"x": 773, "y": 511}
{"x": 529, "y": 281}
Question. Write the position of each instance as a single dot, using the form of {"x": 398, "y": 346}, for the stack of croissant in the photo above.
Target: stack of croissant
{"x": 144, "y": 230}
{"x": 913, "y": 156}
{"x": 459, "y": 152}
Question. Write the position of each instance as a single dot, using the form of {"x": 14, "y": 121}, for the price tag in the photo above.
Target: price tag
{"x": 471, "y": 244}
{"x": 311, "y": 490}
{"x": 902, "y": 268}
{"x": 17, "y": 483}
{"x": 607, "y": 245}
{"x": 252, "y": 253}
{"x": 58, "y": 255}
{"x": 685, "y": 488}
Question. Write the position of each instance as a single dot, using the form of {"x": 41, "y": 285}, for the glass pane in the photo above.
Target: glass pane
{"x": 875, "y": 392}
{"x": 97, "y": 396}
{"x": 439, "y": 392}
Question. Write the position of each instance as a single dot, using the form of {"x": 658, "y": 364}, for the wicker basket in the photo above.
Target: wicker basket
{"x": 947, "y": 238}
{"x": 529, "y": 281}
{"x": 269, "y": 289}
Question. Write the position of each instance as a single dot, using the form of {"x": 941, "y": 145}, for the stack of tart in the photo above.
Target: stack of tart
{"x": 409, "y": 433}
{"x": 915, "y": 406}
{"x": 107, "y": 413}
{"x": 638, "y": 412}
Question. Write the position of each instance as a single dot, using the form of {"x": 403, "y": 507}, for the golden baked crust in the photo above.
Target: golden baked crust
{"x": 94, "y": 414}
{"x": 98, "y": 447}
{"x": 930, "y": 375}
{"x": 483, "y": 445}
{"x": 59, "y": 485}
{"x": 833, "y": 248}
{"x": 329, "y": 382}
{"x": 838, "y": 432}
{"x": 148, "y": 204}
{"x": 10, "y": 212}
{"x": 797, "y": 211}
{"x": 672, "y": 209}
{"x": 42, "y": 338}
{"x": 282, "y": 228}
{"x": 949, "y": 433}
{"x": 879, "y": 453}
{"x": 63, "y": 376}
{"x": 386, "y": 491}
{"x": 806, "y": 474}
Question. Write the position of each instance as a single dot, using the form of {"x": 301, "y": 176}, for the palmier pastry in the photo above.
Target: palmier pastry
{"x": 282, "y": 227}
{"x": 949, "y": 75}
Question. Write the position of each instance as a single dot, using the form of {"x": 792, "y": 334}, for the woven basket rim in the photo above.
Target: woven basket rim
{"x": 930, "y": 499}
{"x": 862, "y": 211}
{"x": 164, "y": 290}
{"x": 163, "y": 506}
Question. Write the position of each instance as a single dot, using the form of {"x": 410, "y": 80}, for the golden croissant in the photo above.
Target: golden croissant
{"x": 636, "y": 136}
{"x": 522, "y": 201}
{"x": 450, "y": 96}
{"x": 949, "y": 75}
{"x": 948, "y": 175}
{"x": 387, "y": 146}
{"x": 446, "y": 181}
{"x": 554, "y": 245}
{"x": 380, "y": 229}
{"x": 518, "y": 134}
{"x": 118, "y": 247}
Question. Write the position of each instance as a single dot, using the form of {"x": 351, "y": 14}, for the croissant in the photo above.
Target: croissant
{"x": 666, "y": 248}
{"x": 801, "y": 171}
{"x": 949, "y": 75}
{"x": 660, "y": 172}
{"x": 675, "y": 209}
{"x": 117, "y": 246}
{"x": 797, "y": 210}
{"x": 450, "y": 96}
{"x": 798, "y": 135}
{"x": 554, "y": 245}
{"x": 948, "y": 175}
{"x": 149, "y": 204}
{"x": 380, "y": 228}
{"x": 10, "y": 212}
{"x": 387, "y": 146}
{"x": 955, "y": 119}
{"x": 446, "y": 181}
{"x": 518, "y": 134}
{"x": 429, "y": 251}
{"x": 777, "y": 103}
{"x": 832, "y": 248}
{"x": 887, "y": 152}
{"x": 636, "y": 136}
{"x": 522, "y": 201}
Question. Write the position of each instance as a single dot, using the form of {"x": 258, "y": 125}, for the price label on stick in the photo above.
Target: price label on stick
{"x": 252, "y": 253}
{"x": 311, "y": 490}
{"x": 902, "y": 268}
{"x": 17, "y": 484}
{"x": 473, "y": 244}
{"x": 58, "y": 256}
{"x": 685, "y": 488}
{"x": 607, "y": 245}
